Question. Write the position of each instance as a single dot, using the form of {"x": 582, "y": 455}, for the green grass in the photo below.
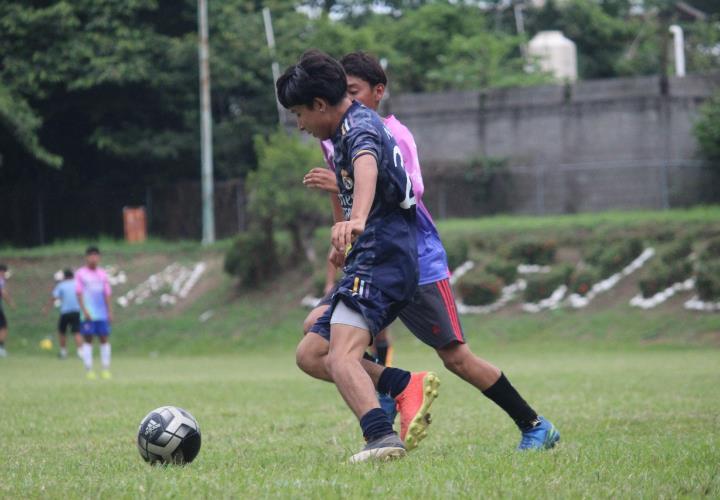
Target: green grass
{"x": 634, "y": 424}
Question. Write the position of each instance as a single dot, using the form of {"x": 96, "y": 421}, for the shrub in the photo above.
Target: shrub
{"x": 712, "y": 250}
{"x": 533, "y": 252}
{"x": 253, "y": 257}
{"x": 478, "y": 288}
{"x": 505, "y": 270}
{"x": 583, "y": 279}
{"x": 457, "y": 249}
{"x": 660, "y": 275}
{"x": 616, "y": 256}
{"x": 542, "y": 285}
{"x": 707, "y": 280}
{"x": 676, "y": 251}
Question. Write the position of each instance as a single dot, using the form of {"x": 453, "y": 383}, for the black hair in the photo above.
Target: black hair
{"x": 3, "y": 267}
{"x": 91, "y": 250}
{"x": 364, "y": 66}
{"x": 68, "y": 274}
{"x": 315, "y": 75}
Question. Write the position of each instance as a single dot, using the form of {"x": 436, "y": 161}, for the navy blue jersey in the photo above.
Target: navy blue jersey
{"x": 385, "y": 254}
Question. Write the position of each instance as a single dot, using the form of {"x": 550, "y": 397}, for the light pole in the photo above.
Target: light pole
{"x": 206, "y": 153}
{"x": 270, "y": 37}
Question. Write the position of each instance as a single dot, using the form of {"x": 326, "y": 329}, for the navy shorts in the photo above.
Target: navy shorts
{"x": 431, "y": 315}
{"x": 3, "y": 319}
{"x": 378, "y": 309}
{"x": 100, "y": 328}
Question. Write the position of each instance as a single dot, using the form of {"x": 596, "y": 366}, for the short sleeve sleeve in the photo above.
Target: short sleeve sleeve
{"x": 56, "y": 292}
{"x": 362, "y": 141}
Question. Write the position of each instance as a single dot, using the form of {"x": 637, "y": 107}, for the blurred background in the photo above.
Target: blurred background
{"x": 534, "y": 107}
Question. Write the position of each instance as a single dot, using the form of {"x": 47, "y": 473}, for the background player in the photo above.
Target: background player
{"x": 69, "y": 319}
{"x": 431, "y": 315}
{"x": 375, "y": 239}
{"x": 93, "y": 292}
{"x": 4, "y": 297}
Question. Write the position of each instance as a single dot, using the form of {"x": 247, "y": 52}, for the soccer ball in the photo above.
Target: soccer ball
{"x": 46, "y": 344}
{"x": 169, "y": 435}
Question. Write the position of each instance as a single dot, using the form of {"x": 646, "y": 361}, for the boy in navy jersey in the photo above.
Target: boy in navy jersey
{"x": 374, "y": 237}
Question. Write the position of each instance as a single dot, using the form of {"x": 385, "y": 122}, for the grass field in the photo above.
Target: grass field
{"x": 635, "y": 394}
{"x": 639, "y": 423}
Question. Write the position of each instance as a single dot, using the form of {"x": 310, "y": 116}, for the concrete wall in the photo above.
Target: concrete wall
{"x": 593, "y": 145}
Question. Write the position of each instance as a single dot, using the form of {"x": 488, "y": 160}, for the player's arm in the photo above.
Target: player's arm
{"x": 108, "y": 303}
{"x": 335, "y": 259}
{"x": 321, "y": 178}
{"x": 7, "y": 297}
{"x": 81, "y": 300}
{"x": 365, "y": 173}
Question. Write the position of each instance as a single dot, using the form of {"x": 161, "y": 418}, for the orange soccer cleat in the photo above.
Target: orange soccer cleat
{"x": 413, "y": 404}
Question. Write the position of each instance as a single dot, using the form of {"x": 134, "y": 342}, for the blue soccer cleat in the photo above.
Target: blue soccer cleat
{"x": 388, "y": 405}
{"x": 541, "y": 437}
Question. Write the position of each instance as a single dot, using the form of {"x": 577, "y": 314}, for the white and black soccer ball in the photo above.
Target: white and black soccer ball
{"x": 169, "y": 435}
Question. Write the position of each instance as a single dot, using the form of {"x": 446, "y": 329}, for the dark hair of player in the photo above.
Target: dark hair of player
{"x": 3, "y": 267}
{"x": 316, "y": 75}
{"x": 365, "y": 67}
{"x": 68, "y": 274}
{"x": 92, "y": 249}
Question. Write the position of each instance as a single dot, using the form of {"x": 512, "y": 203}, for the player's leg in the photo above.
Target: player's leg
{"x": 88, "y": 331}
{"x": 383, "y": 347}
{"x": 349, "y": 338}
{"x": 103, "y": 330}
{"x": 432, "y": 317}
{"x": 3, "y": 333}
{"x": 75, "y": 329}
{"x": 62, "y": 340}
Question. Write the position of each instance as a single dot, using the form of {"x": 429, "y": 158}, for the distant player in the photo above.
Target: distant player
{"x": 93, "y": 292}
{"x": 4, "y": 297}
{"x": 374, "y": 237}
{"x": 431, "y": 315}
{"x": 65, "y": 292}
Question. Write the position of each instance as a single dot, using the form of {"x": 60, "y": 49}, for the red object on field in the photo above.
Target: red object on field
{"x": 135, "y": 224}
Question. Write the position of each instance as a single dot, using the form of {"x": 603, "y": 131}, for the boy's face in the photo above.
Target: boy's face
{"x": 92, "y": 260}
{"x": 314, "y": 119}
{"x": 360, "y": 90}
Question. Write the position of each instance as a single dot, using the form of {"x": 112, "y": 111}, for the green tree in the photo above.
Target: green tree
{"x": 707, "y": 131}
{"x": 277, "y": 198}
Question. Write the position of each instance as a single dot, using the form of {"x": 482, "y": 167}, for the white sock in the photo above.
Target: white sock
{"x": 87, "y": 356}
{"x": 105, "y": 355}
{"x": 63, "y": 351}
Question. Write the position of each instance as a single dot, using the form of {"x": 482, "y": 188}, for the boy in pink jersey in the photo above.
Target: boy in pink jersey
{"x": 431, "y": 315}
{"x": 93, "y": 291}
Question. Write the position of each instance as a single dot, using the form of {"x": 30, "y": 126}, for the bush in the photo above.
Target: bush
{"x": 676, "y": 251}
{"x": 707, "y": 280}
{"x": 583, "y": 279}
{"x": 253, "y": 257}
{"x": 712, "y": 250}
{"x": 661, "y": 275}
{"x": 457, "y": 250}
{"x": 610, "y": 259}
{"x": 533, "y": 252}
{"x": 478, "y": 288}
{"x": 505, "y": 270}
{"x": 541, "y": 285}
{"x": 707, "y": 130}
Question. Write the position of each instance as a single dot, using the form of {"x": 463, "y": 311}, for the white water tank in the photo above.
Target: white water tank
{"x": 555, "y": 53}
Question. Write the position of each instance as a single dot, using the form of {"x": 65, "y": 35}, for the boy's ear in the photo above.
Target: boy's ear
{"x": 379, "y": 91}
{"x": 320, "y": 104}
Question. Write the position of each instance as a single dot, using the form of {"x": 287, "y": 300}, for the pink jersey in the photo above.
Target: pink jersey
{"x": 94, "y": 286}
{"x": 432, "y": 260}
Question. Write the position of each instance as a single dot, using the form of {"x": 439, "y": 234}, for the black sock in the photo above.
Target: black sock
{"x": 503, "y": 394}
{"x": 382, "y": 352}
{"x": 375, "y": 424}
{"x": 393, "y": 381}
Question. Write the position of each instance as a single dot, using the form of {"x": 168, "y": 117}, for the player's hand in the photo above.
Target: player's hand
{"x": 343, "y": 234}
{"x": 337, "y": 259}
{"x": 87, "y": 316}
{"x": 321, "y": 178}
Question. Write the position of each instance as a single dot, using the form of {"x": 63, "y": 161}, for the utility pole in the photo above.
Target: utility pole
{"x": 206, "y": 153}
{"x": 270, "y": 37}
